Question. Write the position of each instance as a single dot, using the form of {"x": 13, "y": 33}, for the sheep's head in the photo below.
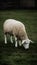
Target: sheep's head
{"x": 26, "y": 43}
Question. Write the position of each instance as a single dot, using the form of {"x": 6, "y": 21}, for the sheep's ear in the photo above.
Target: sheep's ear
{"x": 23, "y": 41}
{"x": 31, "y": 41}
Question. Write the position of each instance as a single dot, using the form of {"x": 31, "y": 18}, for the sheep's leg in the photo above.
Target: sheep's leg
{"x": 5, "y": 39}
{"x": 20, "y": 43}
{"x": 15, "y": 42}
{"x": 11, "y": 39}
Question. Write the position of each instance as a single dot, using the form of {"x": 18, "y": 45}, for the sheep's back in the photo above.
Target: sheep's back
{"x": 13, "y": 26}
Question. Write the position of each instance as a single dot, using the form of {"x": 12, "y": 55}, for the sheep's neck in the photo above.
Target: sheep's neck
{"x": 25, "y": 36}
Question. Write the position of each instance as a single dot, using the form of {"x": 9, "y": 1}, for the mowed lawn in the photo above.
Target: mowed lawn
{"x": 9, "y": 55}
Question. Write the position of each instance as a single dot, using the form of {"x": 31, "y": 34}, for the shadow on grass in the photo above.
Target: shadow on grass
{"x": 9, "y": 55}
{"x": 10, "y": 48}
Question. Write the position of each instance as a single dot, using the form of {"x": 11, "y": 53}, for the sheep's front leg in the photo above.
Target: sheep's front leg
{"x": 20, "y": 43}
{"x": 11, "y": 39}
{"x": 15, "y": 42}
{"x": 5, "y": 36}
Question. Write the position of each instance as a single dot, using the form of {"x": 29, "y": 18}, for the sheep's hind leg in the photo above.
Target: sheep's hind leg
{"x": 11, "y": 39}
{"x": 16, "y": 42}
{"x": 5, "y": 36}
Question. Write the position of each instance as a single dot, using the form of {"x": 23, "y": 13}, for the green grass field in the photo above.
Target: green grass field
{"x": 9, "y": 55}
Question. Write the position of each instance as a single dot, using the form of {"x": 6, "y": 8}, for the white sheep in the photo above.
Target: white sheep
{"x": 17, "y": 29}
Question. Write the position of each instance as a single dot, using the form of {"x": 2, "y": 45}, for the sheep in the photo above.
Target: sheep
{"x": 17, "y": 29}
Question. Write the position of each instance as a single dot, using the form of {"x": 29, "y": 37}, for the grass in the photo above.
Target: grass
{"x": 9, "y": 55}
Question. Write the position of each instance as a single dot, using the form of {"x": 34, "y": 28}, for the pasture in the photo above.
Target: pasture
{"x": 9, "y": 55}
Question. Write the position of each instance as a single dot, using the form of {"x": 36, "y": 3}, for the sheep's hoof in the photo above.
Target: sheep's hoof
{"x": 12, "y": 42}
{"x": 15, "y": 46}
{"x": 5, "y": 42}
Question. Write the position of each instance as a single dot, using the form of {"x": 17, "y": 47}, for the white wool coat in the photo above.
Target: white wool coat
{"x": 15, "y": 28}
